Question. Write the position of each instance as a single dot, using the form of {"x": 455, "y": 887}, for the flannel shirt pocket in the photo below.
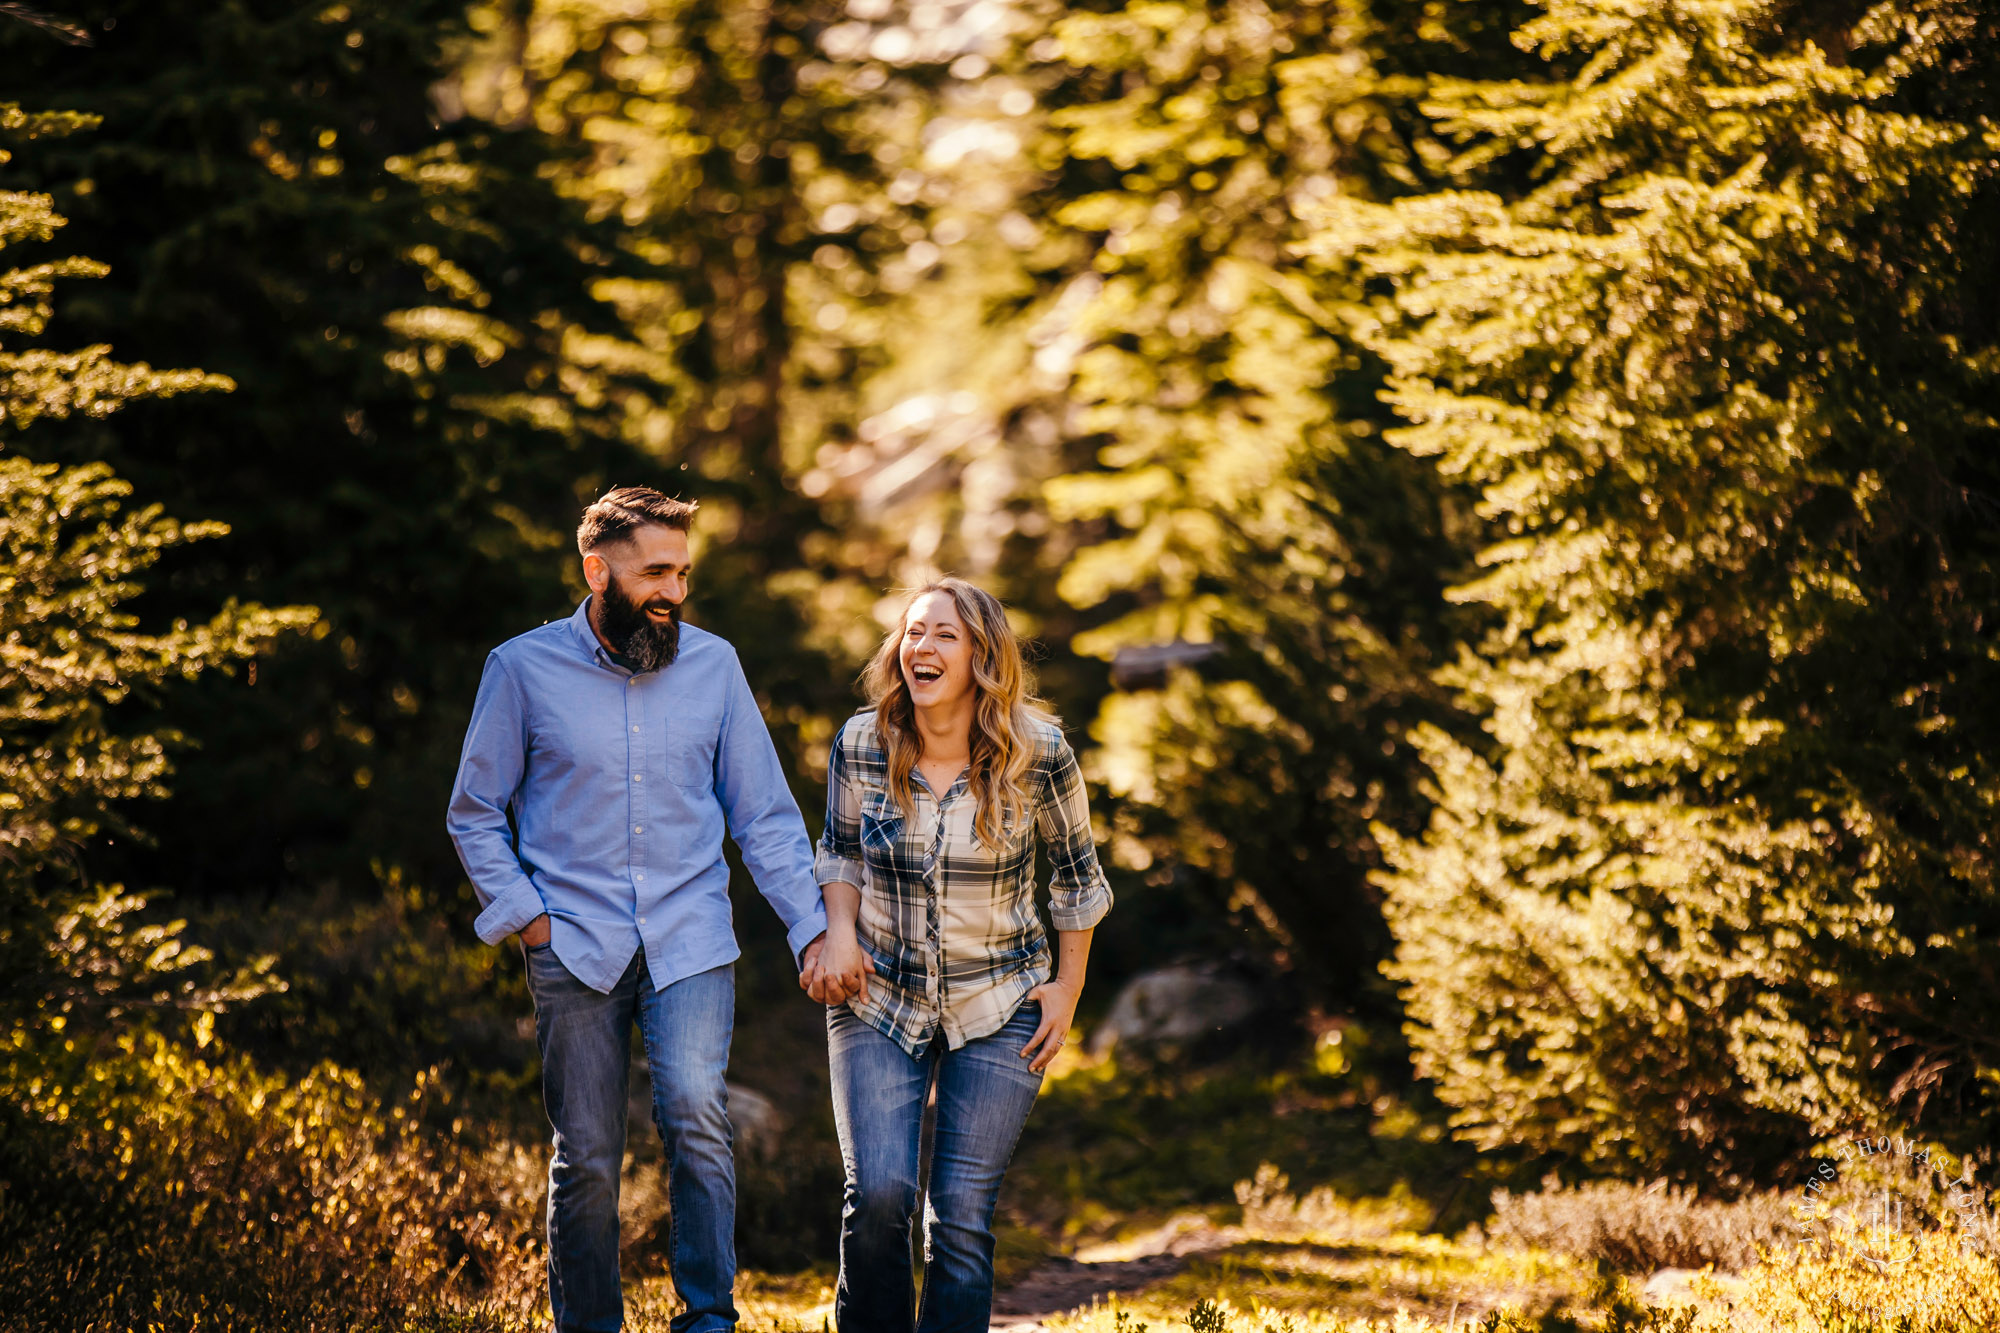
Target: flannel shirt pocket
{"x": 881, "y": 825}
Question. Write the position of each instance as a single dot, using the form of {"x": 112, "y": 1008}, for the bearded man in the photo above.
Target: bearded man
{"x": 607, "y": 755}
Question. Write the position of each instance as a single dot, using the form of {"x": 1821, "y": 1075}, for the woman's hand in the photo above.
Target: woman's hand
{"x": 1058, "y": 1000}
{"x": 844, "y": 969}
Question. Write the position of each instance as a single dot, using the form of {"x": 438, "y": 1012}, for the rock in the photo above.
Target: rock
{"x": 758, "y": 1122}
{"x": 643, "y": 1202}
{"x": 1669, "y": 1286}
{"x": 1675, "y": 1287}
{"x": 1180, "y": 1003}
{"x": 760, "y": 1125}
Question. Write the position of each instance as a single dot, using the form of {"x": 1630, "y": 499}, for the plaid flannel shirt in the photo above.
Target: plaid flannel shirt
{"x": 950, "y": 923}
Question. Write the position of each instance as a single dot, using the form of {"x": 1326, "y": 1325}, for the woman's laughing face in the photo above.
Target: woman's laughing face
{"x": 937, "y": 652}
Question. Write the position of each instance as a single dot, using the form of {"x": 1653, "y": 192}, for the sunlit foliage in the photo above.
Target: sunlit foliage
{"x": 1865, "y": 1280}
{"x": 1267, "y": 567}
{"x": 153, "y": 1185}
{"x": 72, "y": 549}
{"x": 1720, "y": 875}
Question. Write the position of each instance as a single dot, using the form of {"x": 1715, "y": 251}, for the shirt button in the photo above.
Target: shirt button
{"x": 638, "y": 777}
{"x": 638, "y": 828}
{"x": 635, "y": 731}
{"x": 630, "y": 681}
{"x": 642, "y": 920}
{"x": 641, "y": 875}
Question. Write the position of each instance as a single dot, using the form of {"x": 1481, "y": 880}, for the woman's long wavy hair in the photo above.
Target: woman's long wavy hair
{"x": 1004, "y": 706}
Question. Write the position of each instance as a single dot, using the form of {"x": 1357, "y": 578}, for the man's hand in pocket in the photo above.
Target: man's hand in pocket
{"x": 536, "y": 933}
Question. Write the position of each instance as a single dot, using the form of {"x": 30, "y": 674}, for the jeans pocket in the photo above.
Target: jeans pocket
{"x": 546, "y": 972}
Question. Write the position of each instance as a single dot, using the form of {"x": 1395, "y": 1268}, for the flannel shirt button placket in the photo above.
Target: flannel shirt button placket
{"x": 934, "y": 965}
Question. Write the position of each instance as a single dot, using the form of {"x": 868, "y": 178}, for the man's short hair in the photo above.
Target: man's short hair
{"x": 618, "y": 512}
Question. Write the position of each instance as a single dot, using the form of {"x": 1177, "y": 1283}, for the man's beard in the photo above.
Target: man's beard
{"x": 646, "y": 643}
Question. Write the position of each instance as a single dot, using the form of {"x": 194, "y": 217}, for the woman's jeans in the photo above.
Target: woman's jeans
{"x": 984, "y": 1092}
{"x": 586, "y": 1057}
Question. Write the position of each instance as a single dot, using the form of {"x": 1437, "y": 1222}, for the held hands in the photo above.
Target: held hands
{"x": 837, "y": 968}
{"x": 1058, "y": 1000}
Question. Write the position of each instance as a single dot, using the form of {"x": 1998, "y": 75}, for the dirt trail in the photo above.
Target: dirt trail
{"x": 1061, "y": 1285}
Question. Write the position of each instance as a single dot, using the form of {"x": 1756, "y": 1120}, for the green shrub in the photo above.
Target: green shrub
{"x": 149, "y": 1183}
{"x": 387, "y": 983}
{"x": 1695, "y": 330}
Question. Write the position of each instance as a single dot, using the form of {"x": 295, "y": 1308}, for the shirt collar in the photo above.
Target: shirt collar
{"x": 958, "y": 785}
{"x": 587, "y": 639}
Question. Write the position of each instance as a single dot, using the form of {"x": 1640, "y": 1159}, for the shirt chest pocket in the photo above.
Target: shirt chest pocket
{"x": 691, "y": 741}
{"x": 881, "y": 828}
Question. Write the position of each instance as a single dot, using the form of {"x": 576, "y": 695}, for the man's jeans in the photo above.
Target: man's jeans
{"x": 586, "y": 1059}
{"x": 984, "y": 1093}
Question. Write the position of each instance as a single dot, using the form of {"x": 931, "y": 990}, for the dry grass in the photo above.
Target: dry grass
{"x": 1641, "y": 1228}
{"x": 1864, "y": 1280}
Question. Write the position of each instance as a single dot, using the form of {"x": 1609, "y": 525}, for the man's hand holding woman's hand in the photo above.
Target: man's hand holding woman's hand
{"x": 838, "y": 971}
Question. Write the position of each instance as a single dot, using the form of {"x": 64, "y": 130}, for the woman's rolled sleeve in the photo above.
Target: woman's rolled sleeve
{"x": 1079, "y": 894}
{"x": 837, "y": 860}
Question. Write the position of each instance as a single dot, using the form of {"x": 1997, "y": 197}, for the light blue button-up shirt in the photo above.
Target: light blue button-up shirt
{"x": 601, "y": 797}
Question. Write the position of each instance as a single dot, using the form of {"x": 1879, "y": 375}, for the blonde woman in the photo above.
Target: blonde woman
{"x": 936, "y": 967}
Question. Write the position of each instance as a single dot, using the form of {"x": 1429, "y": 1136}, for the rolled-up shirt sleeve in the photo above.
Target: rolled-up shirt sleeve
{"x": 1079, "y": 893}
{"x": 839, "y": 857}
{"x": 489, "y": 774}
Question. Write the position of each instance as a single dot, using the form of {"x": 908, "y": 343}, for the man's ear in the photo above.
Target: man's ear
{"x": 596, "y": 572}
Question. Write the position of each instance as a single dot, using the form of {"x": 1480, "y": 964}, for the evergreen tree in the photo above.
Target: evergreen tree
{"x": 1719, "y": 877}
{"x": 1241, "y": 514}
{"x": 73, "y": 658}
